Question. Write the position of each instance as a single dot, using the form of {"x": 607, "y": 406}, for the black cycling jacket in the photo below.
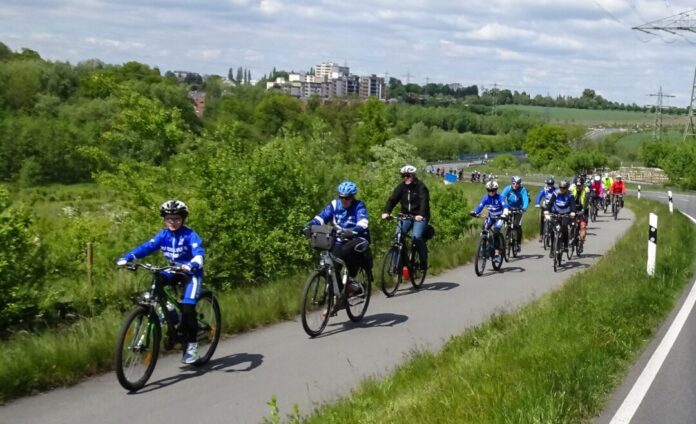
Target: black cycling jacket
{"x": 414, "y": 197}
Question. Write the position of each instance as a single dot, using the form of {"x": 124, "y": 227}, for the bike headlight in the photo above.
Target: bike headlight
{"x": 146, "y": 296}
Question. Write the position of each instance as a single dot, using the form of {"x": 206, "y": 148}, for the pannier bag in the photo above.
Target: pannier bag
{"x": 429, "y": 232}
{"x": 323, "y": 237}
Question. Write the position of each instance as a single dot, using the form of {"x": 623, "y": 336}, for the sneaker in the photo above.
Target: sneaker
{"x": 191, "y": 354}
{"x": 353, "y": 288}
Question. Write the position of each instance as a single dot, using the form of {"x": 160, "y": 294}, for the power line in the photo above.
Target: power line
{"x": 690, "y": 129}
{"x": 657, "y": 132}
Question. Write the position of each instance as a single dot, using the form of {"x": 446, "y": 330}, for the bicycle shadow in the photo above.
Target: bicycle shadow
{"x": 511, "y": 269}
{"x": 534, "y": 256}
{"x": 565, "y": 266}
{"x": 225, "y": 363}
{"x": 387, "y": 319}
{"x": 438, "y": 286}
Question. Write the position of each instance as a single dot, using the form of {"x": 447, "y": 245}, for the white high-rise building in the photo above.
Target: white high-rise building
{"x": 330, "y": 70}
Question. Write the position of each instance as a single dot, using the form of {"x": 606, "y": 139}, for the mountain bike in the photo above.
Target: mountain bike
{"x": 323, "y": 296}
{"x": 140, "y": 337}
{"x": 594, "y": 207}
{"x": 401, "y": 260}
{"x": 607, "y": 201}
{"x": 546, "y": 232}
{"x": 513, "y": 233}
{"x": 557, "y": 246}
{"x": 616, "y": 205}
{"x": 486, "y": 247}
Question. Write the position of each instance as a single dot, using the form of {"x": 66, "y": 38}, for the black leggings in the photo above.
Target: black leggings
{"x": 354, "y": 253}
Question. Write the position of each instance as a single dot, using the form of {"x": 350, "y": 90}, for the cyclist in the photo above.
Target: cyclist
{"x": 581, "y": 193}
{"x": 618, "y": 187}
{"x": 497, "y": 211}
{"x": 183, "y": 247}
{"x": 517, "y": 197}
{"x": 597, "y": 191}
{"x": 607, "y": 181}
{"x": 542, "y": 199}
{"x": 415, "y": 200}
{"x": 562, "y": 203}
{"x": 349, "y": 216}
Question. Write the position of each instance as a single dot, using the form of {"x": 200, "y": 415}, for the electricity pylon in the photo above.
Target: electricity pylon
{"x": 657, "y": 132}
{"x": 690, "y": 129}
{"x": 685, "y": 21}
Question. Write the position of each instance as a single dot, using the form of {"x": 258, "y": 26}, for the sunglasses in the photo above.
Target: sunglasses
{"x": 173, "y": 219}
{"x": 406, "y": 175}
{"x": 345, "y": 197}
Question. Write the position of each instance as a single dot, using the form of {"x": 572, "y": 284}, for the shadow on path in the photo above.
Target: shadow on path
{"x": 226, "y": 363}
{"x": 376, "y": 320}
{"x": 511, "y": 269}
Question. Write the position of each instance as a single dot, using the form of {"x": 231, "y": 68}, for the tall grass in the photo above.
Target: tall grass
{"x": 554, "y": 361}
{"x": 47, "y": 359}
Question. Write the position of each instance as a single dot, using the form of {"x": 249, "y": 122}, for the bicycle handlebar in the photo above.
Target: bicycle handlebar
{"x": 133, "y": 266}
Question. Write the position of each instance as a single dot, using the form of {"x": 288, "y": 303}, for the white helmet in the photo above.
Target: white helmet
{"x": 492, "y": 185}
{"x": 618, "y": 177}
{"x": 408, "y": 169}
{"x": 597, "y": 178}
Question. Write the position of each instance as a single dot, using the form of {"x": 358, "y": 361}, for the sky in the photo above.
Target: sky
{"x": 555, "y": 47}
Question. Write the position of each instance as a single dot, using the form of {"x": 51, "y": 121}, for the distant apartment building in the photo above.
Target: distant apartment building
{"x": 330, "y": 70}
{"x": 372, "y": 86}
{"x": 328, "y": 81}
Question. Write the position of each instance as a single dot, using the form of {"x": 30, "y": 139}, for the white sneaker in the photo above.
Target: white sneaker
{"x": 191, "y": 354}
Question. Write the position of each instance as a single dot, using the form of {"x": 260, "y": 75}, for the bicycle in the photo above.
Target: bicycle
{"x": 546, "y": 232}
{"x": 594, "y": 208}
{"x": 322, "y": 296}
{"x": 401, "y": 260}
{"x": 607, "y": 201}
{"x": 486, "y": 247}
{"x": 139, "y": 339}
{"x": 557, "y": 246}
{"x": 513, "y": 233}
{"x": 616, "y": 205}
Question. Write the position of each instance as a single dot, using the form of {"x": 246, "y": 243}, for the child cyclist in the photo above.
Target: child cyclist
{"x": 497, "y": 210}
{"x": 181, "y": 246}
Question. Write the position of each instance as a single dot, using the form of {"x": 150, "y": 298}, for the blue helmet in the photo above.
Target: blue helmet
{"x": 347, "y": 188}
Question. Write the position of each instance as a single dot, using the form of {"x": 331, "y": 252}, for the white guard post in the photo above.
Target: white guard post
{"x": 671, "y": 204}
{"x": 639, "y": 191}
{"x": 652, "y": 243}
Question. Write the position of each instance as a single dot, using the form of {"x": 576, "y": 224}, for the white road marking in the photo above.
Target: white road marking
{"x": 640, "y": 387}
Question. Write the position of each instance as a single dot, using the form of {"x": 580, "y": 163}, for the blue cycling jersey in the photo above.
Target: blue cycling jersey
{"x": 516, "y": 198}
{"x": 496, "y": 205}
{"x": 353, "y": 218}
{"x": 545, "y": 193}
{"x": 182, "y": 247}
{"x": 561, "y": 203}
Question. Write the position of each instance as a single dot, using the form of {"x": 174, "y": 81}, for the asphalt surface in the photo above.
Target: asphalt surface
{"x": 247, "y": 370}
{"x": 671, "y": 396}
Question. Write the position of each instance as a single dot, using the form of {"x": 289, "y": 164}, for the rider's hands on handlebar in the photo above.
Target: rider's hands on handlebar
{"x": 419, "y": 218}
{"x": 472, "y": 213}
{"x": 306, "y": 231}
{"x": 122, "y": 262}
{"x": 347, "y": 233}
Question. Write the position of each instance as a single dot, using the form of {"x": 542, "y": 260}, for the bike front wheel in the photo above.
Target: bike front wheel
{"x": 392, "y": 272}
{"x": 208, "y": 336}
{"x": 481, "y": 255}
{"x": 356, "y": 305}
{"x": 497, "y": 260}
{"x": 317, "y": 303}
{"x": 137, "y": 348}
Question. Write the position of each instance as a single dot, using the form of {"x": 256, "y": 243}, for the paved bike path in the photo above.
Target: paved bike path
{"x": 247, "y": 370}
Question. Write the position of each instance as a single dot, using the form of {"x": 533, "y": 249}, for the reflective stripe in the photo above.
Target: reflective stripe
{"x": 198, "y": 259}
{"x": 362, "y": 223}
{"x": 320, "y": 219}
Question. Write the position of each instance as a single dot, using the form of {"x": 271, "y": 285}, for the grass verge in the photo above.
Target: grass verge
{"x": 555, "y": 360}
{"x": 63, "y": 356}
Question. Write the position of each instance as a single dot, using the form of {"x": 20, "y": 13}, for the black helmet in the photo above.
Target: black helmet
{"x": 563, "y": 184}
{"x": 174, "y": 207}
{"x": 550, "y": 181}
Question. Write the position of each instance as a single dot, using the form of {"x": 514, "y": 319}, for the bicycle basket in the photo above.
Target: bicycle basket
{"x": 323, "y": 237}
{"x": 429, "y": 232}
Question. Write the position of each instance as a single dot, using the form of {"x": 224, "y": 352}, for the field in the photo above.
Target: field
{"x": 589, "y": 117}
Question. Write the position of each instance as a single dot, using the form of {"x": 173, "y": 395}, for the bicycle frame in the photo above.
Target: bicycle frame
{"x": 327, "y": 263}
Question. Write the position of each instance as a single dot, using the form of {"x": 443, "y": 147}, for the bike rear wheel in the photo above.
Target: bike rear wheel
{"x": 481, "y": 256}
{"x": 509, "y": 242}
{"x": 515, "y": 242}
{"x": 137, "y": 348}
{"x": 392, "y": 271}
{"x": 209, "y": 324}
{"x": 317, "y": 302}
{"x": 356, "y": 305}
{"x": 497, "y": 261}
{"x": 417, "y": 274}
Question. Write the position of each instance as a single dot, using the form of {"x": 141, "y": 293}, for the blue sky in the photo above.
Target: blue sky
{"x": 539, "y": 46}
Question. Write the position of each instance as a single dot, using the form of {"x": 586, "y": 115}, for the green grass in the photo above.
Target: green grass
{"x": 65, "y": 355}
{"x": 554, "y": 361}
{"x": 632, "y": 142}
{"x": 590, "y": 117}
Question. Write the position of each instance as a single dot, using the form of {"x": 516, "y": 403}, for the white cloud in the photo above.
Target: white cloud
{"x": 115, "y": 44}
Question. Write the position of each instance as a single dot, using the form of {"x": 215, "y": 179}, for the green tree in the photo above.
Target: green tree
{"x": 545, "y": 144}
{"x": 372, "y": 129}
